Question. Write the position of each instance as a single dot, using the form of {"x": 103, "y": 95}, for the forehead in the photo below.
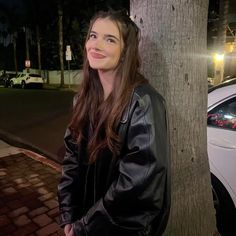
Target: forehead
{"x": 106, "y": 27}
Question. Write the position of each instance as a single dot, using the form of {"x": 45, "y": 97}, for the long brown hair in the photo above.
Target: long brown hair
{"x": 101, "y": 118}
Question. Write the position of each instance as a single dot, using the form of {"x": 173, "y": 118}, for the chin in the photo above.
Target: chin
{"x": 96, "y": 66}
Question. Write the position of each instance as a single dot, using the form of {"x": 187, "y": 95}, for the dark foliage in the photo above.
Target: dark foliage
{"x": 16, "y": 15}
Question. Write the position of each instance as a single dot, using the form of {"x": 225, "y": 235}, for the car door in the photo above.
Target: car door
{"x": 221, "y": 135}
{"x": 21, "y": 78}
{"x": 18, "y": 79}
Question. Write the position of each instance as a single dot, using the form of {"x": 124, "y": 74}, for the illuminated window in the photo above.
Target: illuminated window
{"x": 224, "y": 115}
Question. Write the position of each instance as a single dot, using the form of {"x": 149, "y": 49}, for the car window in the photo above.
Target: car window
{"x": 11, "y": 75}
{"x": 224, "y": 115}
{"x": 34, "y": 75}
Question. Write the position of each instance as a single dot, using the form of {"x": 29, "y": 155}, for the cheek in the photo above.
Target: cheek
{"x": 118, "y": 54}
{"x": 86, "y": 46}
{"x": 87, "y": 49}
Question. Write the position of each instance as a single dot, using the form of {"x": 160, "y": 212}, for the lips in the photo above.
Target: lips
{"x": 97, "y": 55}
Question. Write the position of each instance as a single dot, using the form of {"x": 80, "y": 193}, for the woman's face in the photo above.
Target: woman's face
{"x": 104, "y": 45}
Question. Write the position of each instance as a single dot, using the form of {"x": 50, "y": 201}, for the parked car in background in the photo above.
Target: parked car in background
{"x": 2, "y": 79}
{"x": 27, "y": 80}
{"x": 16, "y": 81}
{"x": 8, "y": 79}
{"x": 221, "y": 138}
{"x": 5, "y": 79}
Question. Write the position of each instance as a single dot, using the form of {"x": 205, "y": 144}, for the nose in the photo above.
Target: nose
{"x": 98, "y": 45}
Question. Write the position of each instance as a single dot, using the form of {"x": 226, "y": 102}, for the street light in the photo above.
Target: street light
{"x": 218, "y": 57}
{"x": 219, "y": 67}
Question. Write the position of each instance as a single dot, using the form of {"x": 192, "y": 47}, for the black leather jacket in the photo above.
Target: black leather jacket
{"x": 125, "y": 196}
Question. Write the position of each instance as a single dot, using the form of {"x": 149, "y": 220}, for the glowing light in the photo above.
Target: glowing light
{"x": 219, "y": 57}
{"x": 228, "y": 116}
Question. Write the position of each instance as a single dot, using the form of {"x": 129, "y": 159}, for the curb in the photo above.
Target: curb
{"x": 24, "y": 145}
{"x": 65, "y": 88}
{"x": 41, "y": 159}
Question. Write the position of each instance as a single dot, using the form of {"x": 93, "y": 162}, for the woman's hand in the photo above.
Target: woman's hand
{"x": 68, "y": 230}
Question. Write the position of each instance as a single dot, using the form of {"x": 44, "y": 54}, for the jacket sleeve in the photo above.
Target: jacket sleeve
{"x": 135, "y": 198}
{"x": 67, "y": 196}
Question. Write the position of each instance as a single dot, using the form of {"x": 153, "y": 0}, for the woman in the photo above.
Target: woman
{"x": 115, "y": 172}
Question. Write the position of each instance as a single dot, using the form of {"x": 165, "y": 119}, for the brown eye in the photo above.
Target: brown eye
{"x": 92, "y": 36}
{"x": 110, "y": 40}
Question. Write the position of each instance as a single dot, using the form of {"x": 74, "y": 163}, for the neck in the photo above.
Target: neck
{"x": 107, "y": 79}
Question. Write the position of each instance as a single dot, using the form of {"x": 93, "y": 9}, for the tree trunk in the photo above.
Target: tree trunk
{"x": 38, "y": 48}
{"x": 173, "y": 49}
{"x": 14, "y": 53}
{"x": 60, "y": 24}
{"x": 222, "y": 27}
{"x": 27, "y": 54}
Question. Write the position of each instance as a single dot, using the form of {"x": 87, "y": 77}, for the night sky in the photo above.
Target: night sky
{"x": 18, "y": 6}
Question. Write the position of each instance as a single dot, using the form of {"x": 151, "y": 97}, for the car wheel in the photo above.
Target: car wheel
{"x": 23, "y": 85}
{"x": 224, "y": 206}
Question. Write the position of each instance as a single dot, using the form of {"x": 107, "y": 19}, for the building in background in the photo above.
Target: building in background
{"x": 222, "y": 40}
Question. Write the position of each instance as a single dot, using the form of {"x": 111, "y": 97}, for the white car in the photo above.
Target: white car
{"x": 16, "y": 81}
{"x": 26, "y": 80}
{"x": 221, "y": 138}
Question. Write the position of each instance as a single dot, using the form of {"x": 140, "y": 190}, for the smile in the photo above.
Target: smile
{"x": 97, "y": 55}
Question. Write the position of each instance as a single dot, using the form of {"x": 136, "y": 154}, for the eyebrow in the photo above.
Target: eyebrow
{"x": 106, "y": 35}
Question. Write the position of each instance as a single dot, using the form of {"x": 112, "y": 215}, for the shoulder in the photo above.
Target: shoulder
{"x": 147, "y": 94}
{"x": 144, "y": 99}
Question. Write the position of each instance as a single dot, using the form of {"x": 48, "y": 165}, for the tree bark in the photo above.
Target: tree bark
{"x": 173, "y": 49}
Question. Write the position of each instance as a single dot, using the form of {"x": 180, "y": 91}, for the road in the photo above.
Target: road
{"x": 36, "y": 117}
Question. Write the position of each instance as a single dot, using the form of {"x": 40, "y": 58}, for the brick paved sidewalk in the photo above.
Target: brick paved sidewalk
{"x": 28, "y": 201}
